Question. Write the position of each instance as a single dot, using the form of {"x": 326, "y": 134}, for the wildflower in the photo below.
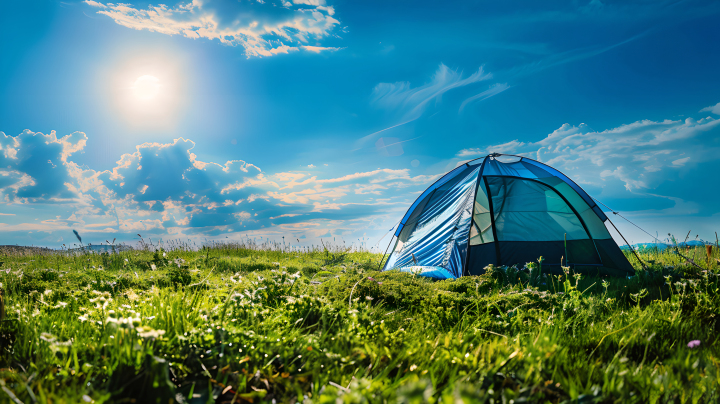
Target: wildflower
{"x": 50, "y": 338}
{"x": 149, "y": 333}
{"x": 693, "y": 344}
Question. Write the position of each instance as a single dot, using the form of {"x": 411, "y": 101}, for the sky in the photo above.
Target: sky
{"x": 324, "y": 120}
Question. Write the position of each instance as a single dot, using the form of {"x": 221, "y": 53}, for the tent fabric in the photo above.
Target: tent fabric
{"x": 526, "y": 210}
{"x": 439, "y": 235}
{"x": 507, "y": 211}
{"x": 444, "y": 179}
{"x": 580, "y": 253}
{"x": 430, "y": 272}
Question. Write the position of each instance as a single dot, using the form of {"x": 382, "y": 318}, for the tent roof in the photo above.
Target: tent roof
{"x": 517, "y": 166}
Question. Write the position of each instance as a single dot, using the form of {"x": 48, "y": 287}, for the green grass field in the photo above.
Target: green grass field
{"x": 246, "y": 323}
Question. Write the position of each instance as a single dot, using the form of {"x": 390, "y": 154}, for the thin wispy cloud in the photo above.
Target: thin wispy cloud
{"x": 413, "y": 101}
{"x": 561, "y": 58}
{"x": 261, "y": 29}
{"x": 494, "y": 90}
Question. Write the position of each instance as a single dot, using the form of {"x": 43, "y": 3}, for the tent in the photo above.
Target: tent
{"x": 504, "y": 210}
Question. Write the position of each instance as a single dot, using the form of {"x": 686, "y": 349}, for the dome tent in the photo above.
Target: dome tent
{"x": 508, "y": 212}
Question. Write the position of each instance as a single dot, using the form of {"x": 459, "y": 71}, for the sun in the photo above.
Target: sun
{"x": 146, "y": 87}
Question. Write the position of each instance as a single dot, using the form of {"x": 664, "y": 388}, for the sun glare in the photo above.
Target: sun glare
{"x": 146, "y": 87}
{"x": 147, "y": 91}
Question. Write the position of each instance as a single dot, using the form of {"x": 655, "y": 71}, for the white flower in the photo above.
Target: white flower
{"x": 47, "y": 337}
{"x": 149, "y": 333}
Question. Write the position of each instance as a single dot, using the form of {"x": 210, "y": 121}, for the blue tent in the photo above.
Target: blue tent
{"x": 504, "y": 210}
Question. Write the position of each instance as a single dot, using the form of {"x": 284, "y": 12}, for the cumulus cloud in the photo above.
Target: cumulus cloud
{"x": 715, "y": 109}
{"x": 261, "y": 29}
{"x": 652, "y": 159}
{"x": 34, "y": 166}
{"x": 166, "y": 189}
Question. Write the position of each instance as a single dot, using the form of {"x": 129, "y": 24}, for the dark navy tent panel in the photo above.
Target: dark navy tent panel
{"x": 504, "y": 212}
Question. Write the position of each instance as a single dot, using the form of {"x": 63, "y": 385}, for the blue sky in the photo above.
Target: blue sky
{"x": 317, "y": 119}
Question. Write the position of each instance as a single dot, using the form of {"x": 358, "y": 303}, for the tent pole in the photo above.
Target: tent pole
{"x": 385, "y": 253}
{"x": 465, "y": 271}
{"x": 628, "y": 244}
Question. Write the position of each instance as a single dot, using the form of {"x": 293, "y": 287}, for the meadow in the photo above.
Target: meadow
{"x": 241, "y": 323}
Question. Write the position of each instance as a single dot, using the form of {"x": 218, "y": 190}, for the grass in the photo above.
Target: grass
{"x": 245, "y": 323}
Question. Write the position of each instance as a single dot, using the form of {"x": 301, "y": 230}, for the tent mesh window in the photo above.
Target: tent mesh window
{"x": 530, "y": 211}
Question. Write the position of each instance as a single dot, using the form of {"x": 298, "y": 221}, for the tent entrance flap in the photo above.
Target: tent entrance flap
{"x": 438, "y": 235}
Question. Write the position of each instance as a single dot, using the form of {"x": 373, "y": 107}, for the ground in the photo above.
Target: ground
{"x": 250, "y": 323}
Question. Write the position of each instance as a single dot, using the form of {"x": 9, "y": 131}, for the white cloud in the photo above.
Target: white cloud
{"x": 264, "y": 30}
{"x": 286, "y": 215}
{"x": 494, "y": 90}
{"x": 414, "y": 100}
{"x": 318, "y": 49}
{"x": 638, "y": 155}
{"x": 370, "y": 189}
{"x": 164, "y": 189}
{"x": 680, "y": 162}
{"x": 506, "y": 148}
{"x": 715, "y": 109}
{"x": 95, "y": 4}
